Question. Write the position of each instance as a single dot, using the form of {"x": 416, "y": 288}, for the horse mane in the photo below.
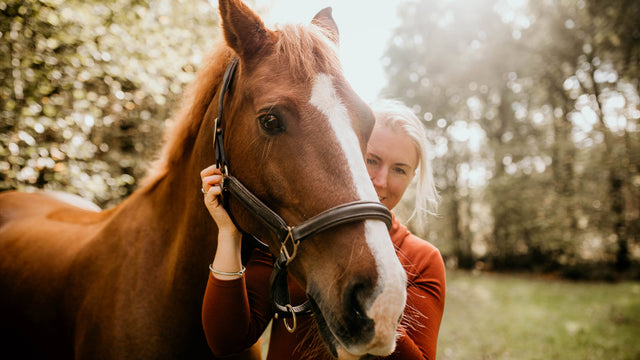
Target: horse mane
{"x": 306, "y": 49}
{"x": 181, "y": 132}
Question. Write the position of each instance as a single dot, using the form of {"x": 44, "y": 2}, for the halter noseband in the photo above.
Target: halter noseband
{"x": 289, "y": 236}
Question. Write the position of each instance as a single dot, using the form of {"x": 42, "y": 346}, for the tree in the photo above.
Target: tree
{"x": 615, "y": 41}
{"x": 85, "y": 89}
{"x": 543, "y": 88}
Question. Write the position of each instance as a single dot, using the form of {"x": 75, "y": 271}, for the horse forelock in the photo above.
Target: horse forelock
{"x": 307, "y": 50}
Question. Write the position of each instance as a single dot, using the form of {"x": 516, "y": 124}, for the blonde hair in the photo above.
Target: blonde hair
{"x": 395, "y": 115}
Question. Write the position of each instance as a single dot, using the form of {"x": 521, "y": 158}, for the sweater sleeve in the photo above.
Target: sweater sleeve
{"x": 236, "y": 312}
{"x": 425, "y": 305}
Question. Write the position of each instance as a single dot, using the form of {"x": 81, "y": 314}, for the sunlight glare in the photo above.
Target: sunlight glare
{"x": 365, "y": 30}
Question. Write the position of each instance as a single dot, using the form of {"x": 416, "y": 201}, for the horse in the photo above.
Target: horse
{"x": 128, "y": 282}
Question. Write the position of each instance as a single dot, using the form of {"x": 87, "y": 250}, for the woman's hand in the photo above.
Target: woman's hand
{"x": 227, "y": 258}
{"x": 211, "y": 185}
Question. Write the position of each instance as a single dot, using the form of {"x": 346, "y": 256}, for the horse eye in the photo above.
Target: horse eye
{"x": 270, "y": 123}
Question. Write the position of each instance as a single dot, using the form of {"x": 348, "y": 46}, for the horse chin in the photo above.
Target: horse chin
{"x": 323, "y": 327}
{"x": 333, "y": 343}
{"x": 345, "y": 355}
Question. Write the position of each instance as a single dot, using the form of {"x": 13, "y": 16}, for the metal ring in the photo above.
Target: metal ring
{"x": 290, "y": 329}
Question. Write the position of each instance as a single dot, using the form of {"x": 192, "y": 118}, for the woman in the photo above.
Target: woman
{"x": 236, "y": 307}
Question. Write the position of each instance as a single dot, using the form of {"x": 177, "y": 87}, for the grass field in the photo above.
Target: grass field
{"x": 525, "y": 318}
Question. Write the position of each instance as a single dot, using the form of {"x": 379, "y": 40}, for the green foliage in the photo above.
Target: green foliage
{"x": 86, "y": 86}
{"x": 524, "y": 318}
{"x": 533, "y": 110}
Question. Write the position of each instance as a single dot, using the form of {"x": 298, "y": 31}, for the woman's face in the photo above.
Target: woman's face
{"x": 391, "y": 160}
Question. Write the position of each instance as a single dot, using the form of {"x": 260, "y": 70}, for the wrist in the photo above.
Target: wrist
{"x": 227, "y": 264}
{"x": 226, "y": 275}
{"x": 229, "y": 234}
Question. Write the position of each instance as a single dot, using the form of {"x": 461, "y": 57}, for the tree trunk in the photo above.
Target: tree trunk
{"x": 616, "y": 184}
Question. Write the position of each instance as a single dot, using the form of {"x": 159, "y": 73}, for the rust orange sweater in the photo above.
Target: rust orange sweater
{"x": 236, "y": 312}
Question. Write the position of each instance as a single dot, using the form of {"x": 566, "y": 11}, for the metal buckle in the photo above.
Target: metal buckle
{"x": 223, "y": 189}
{"x": 294, "y": 243}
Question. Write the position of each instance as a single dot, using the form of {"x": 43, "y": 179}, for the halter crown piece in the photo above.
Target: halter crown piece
{"x": 289, "y": 236}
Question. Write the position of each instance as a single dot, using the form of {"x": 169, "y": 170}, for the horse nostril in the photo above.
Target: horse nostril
{"x": 356, "y": 300}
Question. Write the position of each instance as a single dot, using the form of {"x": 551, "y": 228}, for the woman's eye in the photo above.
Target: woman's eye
{"x": 270, "y": 123}
{"x": 400, "y": 171}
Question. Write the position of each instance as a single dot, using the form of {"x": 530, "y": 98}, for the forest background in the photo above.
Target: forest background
{"x": 531, "y": 107}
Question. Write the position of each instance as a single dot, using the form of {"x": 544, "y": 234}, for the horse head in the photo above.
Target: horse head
{"x": 294, "y": 134}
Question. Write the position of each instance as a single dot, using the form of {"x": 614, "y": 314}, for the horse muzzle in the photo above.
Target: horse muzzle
{"x": 365, "y": 319}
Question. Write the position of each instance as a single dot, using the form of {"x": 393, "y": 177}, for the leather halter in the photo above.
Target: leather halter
{"x": 289, "y": 236}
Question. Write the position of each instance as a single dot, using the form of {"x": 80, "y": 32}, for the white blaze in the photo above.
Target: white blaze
{"x": 393, "y": 280}
{"x": 325, "y": 99}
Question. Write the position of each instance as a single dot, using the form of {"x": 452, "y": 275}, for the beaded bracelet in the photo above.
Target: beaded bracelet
{"x": 237, "y": 273}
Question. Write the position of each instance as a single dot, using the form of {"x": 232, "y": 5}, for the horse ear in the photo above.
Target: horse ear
{"x": 243, "y": 29}
{"x": 324, "y": 20}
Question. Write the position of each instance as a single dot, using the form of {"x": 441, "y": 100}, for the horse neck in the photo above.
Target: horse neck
{"x": 173, "y": 196}
{"x": 174, "y": 203}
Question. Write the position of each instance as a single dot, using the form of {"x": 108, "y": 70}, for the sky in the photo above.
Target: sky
{"x": 365, "y": 29}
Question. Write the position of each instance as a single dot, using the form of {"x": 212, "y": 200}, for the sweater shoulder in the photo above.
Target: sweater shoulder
{"x": 420, "y": 258}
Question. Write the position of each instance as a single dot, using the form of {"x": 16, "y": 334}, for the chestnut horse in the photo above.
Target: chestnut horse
{"x": 128, "y": 282}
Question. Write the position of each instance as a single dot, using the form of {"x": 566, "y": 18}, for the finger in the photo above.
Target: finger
{"x": 214, "y": 190}
{"x": 217, "y": 189}
{"x": 211, "y": 170}
{"x": 212, "y": 180}
{"x": 211, "y": 198}
{"x": 208, "y": 171}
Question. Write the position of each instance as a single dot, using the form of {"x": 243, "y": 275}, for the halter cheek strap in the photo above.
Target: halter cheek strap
{"x": 218, "y": 132}
{"x": 280, "y": 299}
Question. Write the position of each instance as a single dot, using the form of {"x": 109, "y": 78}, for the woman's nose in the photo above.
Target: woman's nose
{"x": 378, "y": 177}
